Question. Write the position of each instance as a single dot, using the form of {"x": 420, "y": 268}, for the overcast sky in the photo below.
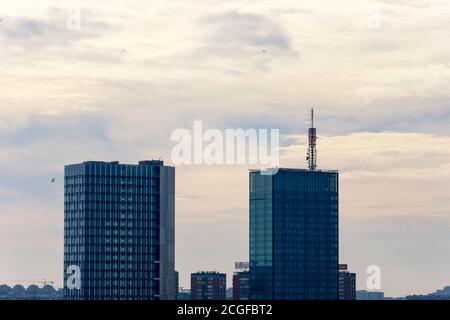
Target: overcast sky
{"x": 377, "y": 72}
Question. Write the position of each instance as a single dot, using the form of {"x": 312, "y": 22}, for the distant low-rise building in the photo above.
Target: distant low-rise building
{"x": 369, "y": 295}
{"x": 241, "y": 281}
{"x": 229, "y": 294}
{"x": 347, "y": 283}
{"x": 184, "y": 294}
{"x": 33, "y": 292}
{"x": 177, "y": 284}
{"x": 241, "y": 285}
{"x": 441, "y": 294}
{"x": 445, "y": 292}
{"x": 208, "y": 286}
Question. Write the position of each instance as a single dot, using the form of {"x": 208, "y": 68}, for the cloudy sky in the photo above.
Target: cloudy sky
{"x": 116, "y": 86}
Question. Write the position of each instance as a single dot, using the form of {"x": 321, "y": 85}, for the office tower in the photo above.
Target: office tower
{"x": 119, "y": 226}
{"x": 294, "y": 232}
{"x": 208, "y": 286}
{"x": 347, "y": 283}
{"x": 369, "y": 295}
{"x": 241, "y": 281}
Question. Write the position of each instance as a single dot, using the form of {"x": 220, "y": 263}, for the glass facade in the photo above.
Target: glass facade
{"x": 294, "y": 235}
{"x": 119, "y": 230}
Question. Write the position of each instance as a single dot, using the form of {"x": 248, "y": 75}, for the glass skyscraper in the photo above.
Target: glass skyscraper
{"x": 119, "y": 225}
{"x": 294, "y": 235}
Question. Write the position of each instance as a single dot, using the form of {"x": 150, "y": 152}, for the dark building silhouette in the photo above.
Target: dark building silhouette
{"x": 445, "y": 292}
{"x": 241, "y": 285}
{"x": 369, "y": 295}
{"x": 33, "y": 292}
{"x": 208, "y": 286}
{"x": 119, "y": 231}
{"x": 441, "y": 294}
{"x": 229, "y": 294}
{"x": 184, "y": 294}
{"x": 177, "y": 284}
{"x": 19, "y": 291}
{"x": 347, "y": 284}
{"x": 294, "y": 235}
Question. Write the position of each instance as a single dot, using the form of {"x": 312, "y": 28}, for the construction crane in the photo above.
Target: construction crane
{"x": 43, "y": 281}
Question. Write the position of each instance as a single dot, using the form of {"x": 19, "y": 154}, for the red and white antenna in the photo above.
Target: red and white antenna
{"x": 312, "y": 142}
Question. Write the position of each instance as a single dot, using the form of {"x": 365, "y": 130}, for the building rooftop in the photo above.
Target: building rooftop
{"x": 295, "y": 170}
{"x": 140, "y": 163}
{"x": 207, "y": 273}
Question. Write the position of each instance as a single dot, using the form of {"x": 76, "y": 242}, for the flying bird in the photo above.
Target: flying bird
{"x": 53, "y": 180}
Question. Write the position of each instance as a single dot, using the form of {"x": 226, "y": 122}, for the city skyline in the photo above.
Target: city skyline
{"x": 117, "y": 87}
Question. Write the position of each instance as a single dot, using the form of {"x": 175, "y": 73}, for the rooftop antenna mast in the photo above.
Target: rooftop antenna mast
{"x": 312, "y": 143}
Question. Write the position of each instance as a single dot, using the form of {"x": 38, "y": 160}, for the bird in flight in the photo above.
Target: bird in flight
{"x": 53, "y": 180}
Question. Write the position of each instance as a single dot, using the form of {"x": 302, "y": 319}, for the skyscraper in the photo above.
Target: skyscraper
{"x": 294, "y": 232}
{"x": 119, "y": 223}
{"x": 294, "y": 235}
{"x": 208, "y": 286}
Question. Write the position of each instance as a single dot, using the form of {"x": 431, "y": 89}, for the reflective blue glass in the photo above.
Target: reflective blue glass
{"x": 294, "y": 235}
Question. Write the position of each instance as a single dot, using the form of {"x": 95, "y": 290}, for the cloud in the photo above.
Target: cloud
{"x": 418, "y": 4}
{"x": 48, "y": 31}
{"x": 394, "y": 154}
{"x": 381, "y": 99}
{"x": 67, "y": 128}
{"x": 255, "y": 39}
{"x": 243, "y": 29}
